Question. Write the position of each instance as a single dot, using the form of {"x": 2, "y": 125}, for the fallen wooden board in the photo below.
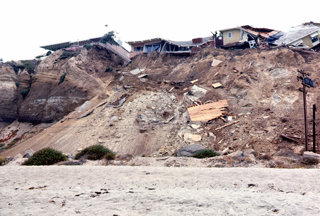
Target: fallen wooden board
{"x": 226, "y": 125}
{"x": 208, "y": 111}
{"x": 216, "y": 85}
{"x": 215, "y": 62}
{"x": 291, "y": 137}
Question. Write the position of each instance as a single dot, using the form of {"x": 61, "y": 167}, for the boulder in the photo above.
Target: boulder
{"x": 28, "y": 153}
{"x": 197, "y": 92}
{"x": 192, "y": 137}
{"x": 310, "y": 158}
{"x": 189, "y": 150}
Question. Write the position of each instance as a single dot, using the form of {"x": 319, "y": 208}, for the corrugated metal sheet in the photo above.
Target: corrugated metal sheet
{"x": 296, "y": 33}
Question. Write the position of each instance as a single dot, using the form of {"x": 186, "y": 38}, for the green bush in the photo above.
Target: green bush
{"x": 109, "y": 69}
{"x": 46, "y": 156}
{"x": 2, "y": 160}
{"x": 205, "y": 153}
{"x": 67, "y": 54}
{"x": 13, "y": 142}
{"x": 48, "y": 53}
{"x": 96, "y": 152}
{"x": 15, "y": 67}
{"x": 87, "y": 46}
{"x": 109, "y": 38}
{"x": 28, "y": 65}
{"x": 62, "y": 77}
{"x": 17, "y": 84}
{"x": 24, "y": 92}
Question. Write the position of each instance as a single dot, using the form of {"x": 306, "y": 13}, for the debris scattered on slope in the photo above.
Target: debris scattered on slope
{"x": 208, "y": 111}
{"x": 216, "y": 85}
{"x": 215, "y": 62}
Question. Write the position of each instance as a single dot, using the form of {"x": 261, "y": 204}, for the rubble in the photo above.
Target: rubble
{"x": 192, "y": 137}
{"x": 188, "y": 150}
{"x": 208, "y": 111}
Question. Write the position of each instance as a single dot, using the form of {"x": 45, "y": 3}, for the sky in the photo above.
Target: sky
{"x": 28, "y": 24}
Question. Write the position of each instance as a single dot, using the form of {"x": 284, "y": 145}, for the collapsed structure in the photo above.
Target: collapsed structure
{"x": 168, "y": 46}
{"x": 116, "y": 48}
{"x": 245, "y": 36}
{"x": 303, "y": 36}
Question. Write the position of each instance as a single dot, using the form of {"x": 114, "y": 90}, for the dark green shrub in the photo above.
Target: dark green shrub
{"x": 28, "y": 65}
{"x": 96, "y": 152}
{"x": 48, "y": 53}
{"x": 67, "y": 54}
{"x": 13, "y": 142}
{"x": 24, "y": 92}
{"x": 2, "y": 146}
{"x": 110, "y": 156}
{"x": 87, "y": 46}
{"x": 205, "y": 153}
{"x": 109, "y": 38}
{"x": 46, "y": 156}
{"x": 17, "y": 84}
{"x": 15, "y": 67}
{"x": 109, "y": 69}
{"x": 62, "y": 77}
{"x": 2, "y": 160}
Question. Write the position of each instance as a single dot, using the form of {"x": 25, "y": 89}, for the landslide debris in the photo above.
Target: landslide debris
{"x": 141, "y": 109}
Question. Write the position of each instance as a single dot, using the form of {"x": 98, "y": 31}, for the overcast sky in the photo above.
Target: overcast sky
{"x": 28, "y": 24}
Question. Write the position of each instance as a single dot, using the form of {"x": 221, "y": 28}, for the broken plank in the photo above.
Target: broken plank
{"x": 216, "y": 85}
{"x": 226, "y": 125}
{"x": 207, "y": 112}
{"x": 194, "y": 81}
{"x": 291, "y": 137}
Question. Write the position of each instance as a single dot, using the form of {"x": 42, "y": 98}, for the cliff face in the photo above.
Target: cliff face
{"x": 61, "y": 82}
{"x": 8, "y": 96}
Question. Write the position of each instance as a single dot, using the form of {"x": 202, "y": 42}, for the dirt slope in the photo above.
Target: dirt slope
{"x": 261, "y": 88}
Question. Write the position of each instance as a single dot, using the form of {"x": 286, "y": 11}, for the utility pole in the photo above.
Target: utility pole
{"x": 314, "y": 128}
{"x": 306, "y": 82}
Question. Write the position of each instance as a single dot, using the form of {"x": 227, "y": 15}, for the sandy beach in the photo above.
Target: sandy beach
{"x": 111, "y": 190}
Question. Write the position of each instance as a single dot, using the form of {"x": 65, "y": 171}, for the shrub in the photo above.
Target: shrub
{"x": 46, "y": 156}
{"x": 13, "y": 142}
{"x": 2, "y": 160}
{"x": 15, "y": 67}
{"x": 96, "y": 152}
{"x": 67, "y": 54}
{"x": 87, "y": 46}
{"x": 109, "y": 38}
{"x": 62, "y": 77}
{"x": 205, "y": 153}
{"x": 28, "y": 66}
{"x": 2, "y": 145}
{"x": 109, "y": 69}
{"x": 24, "y": 92}
{"x": 48, "y": 53}
{"x": 17, "y": 84}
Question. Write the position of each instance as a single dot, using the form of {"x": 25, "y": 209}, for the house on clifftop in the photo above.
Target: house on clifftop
{"x": 168, "y": 46}
{"x": 245, "y": 36}
{"x": 303, "y": 36}
{"x": 115, "y": 48}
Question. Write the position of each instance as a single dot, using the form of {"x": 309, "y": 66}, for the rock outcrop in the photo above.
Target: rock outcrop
{"x": 8, "y": 96}
{"x": 62, "y": 82}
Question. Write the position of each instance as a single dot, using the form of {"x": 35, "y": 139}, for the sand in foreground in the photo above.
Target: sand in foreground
{"x": 109, "y": 190}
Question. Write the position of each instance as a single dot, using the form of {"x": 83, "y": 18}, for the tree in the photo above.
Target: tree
{"x": 109, "y": 38}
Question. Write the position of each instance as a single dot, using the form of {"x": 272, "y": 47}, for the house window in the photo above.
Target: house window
{"x": 138, "y": 49}
{"x": 314, "y": 38}
{"x": 229, "y": 35}
{"x": 153, "y": 47}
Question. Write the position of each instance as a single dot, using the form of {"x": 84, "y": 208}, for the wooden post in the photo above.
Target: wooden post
{"x": 314, "y": 128}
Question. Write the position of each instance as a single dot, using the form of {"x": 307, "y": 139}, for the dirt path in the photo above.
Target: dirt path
{"x": 109, "y": 190}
